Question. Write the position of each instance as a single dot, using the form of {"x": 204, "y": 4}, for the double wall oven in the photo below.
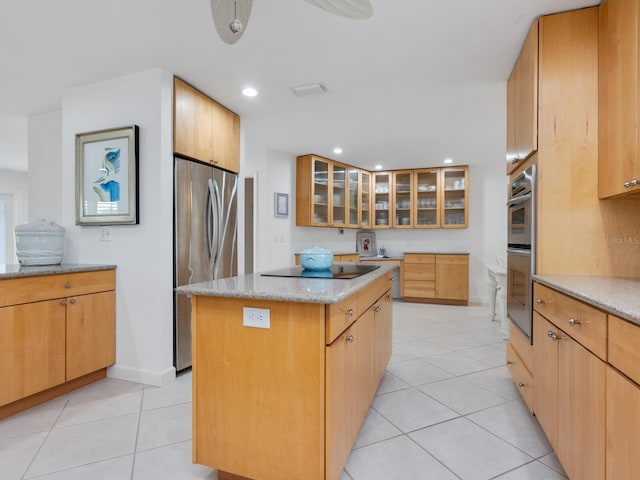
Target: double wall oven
{"x": 521, "y": 250}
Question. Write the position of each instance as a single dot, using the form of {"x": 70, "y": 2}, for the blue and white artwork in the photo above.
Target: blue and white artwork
{"x": 106, "y": 184}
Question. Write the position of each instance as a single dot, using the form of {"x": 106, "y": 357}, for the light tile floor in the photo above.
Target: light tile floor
{"x": 446, "y": 409}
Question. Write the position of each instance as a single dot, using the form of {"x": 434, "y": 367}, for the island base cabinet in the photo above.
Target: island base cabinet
{"x": 285, "y": 402}
{"x": 32, "y": 349}
{"x": 259, "y": 393}
{"x": 623, "y": 427}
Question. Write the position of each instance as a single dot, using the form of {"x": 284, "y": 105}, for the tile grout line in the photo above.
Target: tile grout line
{"x": 135, "y": 445}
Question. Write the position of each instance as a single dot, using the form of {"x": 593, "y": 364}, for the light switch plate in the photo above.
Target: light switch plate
{"x": 256, "y": 317}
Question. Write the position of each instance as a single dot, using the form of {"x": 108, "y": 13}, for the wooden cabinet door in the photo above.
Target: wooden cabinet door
{"x": 512, "y": 120}
{"x": 618, "y": 97}
{"x": 452, "y": 277}
{"x": 527, "y": 95}
{"x": 383, "y": 335}
{"x": 193, "y": 123}
{"x": 622, "y": 427}
{"x": 382, "y": 199}
{"x": 426, "y": 198}
{"x": 339, "y": 195}
{"x": 454, "y": 198}
{"x": 545, "y": 366}
{"x": 225, "y": 135}
{"x": 365, "y": 377}
{"x": 342, "y": 390}
{"x": 90, "y": 337}
{"x": 365, "y": 199}
{"x": 32, "y": 349}
{"x": 581, "y": 395}
{"x": 403, "y": 206}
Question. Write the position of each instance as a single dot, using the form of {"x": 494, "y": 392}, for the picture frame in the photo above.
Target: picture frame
{"x": 366, "y": 244}
{"x": 107, "y": 177}
{"x": 281, "y": 207}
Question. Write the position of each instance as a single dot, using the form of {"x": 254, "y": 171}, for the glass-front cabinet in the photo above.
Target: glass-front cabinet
{"x": 332, "y": 194}
{"x": 402, "y": 196}
{"x": 338, "y": 195}
{"x": 425, "y": 198}
{"x": 454, "y": 198}
{"x": 353, "y": 208}
{"x": 365, "y": 195}
{"x": 382, "y": 198}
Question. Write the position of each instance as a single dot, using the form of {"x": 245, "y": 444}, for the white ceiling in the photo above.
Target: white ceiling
{"x": 416, "y": 81}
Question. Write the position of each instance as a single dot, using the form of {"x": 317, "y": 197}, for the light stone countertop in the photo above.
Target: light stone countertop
{"x": 618, "y": 296}
{"x": 15, "y": 270}
{"x": 285, "y": 289}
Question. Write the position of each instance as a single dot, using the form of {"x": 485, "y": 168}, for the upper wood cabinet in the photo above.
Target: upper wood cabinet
{"x": 332, "y": 194}
{"x": 382, "y": 199}
{"x": 403, "y": 206}
{"x": 313, "y": 192}
{"x": 203, "y": 129}
{"x": 522, "y": 103}
{"x": 618, "y": 101}
{"x": 426, "y": 198}
{"x": 454, "y": 199}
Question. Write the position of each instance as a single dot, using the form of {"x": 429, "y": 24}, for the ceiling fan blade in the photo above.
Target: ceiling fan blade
{"x": 226, "y": 11}
{"x": 357, "y": 9}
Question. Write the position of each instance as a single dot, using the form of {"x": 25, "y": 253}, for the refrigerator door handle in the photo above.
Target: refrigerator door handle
{"x": 216, "y": 230}
{"x": 211, "y": 222}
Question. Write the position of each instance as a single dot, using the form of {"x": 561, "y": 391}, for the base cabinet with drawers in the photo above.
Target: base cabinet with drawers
{"x": 54, "y": 330}
{"x": 586, "y": 395}
{"x": 436, "y": 278}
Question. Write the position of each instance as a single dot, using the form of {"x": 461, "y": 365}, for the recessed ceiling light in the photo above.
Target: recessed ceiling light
{"x": 448, "y": 160}
{"x": 378, "y": 167}
{"x": 250, "y": 92}
{"x": 337, "y": 150}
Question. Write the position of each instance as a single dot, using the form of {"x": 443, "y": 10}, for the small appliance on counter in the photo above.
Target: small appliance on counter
{"x": 40, "y": 242}
{"x": 316, "y": 258}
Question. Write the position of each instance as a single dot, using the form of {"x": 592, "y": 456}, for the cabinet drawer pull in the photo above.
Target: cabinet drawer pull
{"x": 573, "y": 322}
{"x": 555, "y": 337}
{"x": 63, "y": 302}
{"x": 509, "y": 362}
{"x": 627, "y": 184}
{"x": 520, "y": 384}
{"x": 72, "y": 301}
{"x": 378, "y": 308}
{"x": 634, "y": 182}
{"x": 349, "y": 339}
{"x": 550, "y": 334}
{"x": 539, "y": 301}
{"x": 67, "y": 285}
{"x": 349, "y": 312}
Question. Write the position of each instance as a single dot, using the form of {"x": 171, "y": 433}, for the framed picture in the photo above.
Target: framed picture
{"x": 107, "y": 177}
{"x": 366, "y": 244}
{"x": 282, "y": 205}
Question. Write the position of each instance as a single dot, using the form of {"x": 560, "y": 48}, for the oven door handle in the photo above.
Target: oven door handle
{"x": 517, "y": 200}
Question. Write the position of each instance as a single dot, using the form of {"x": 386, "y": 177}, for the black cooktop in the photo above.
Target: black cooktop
{"x": 342, "y": 271}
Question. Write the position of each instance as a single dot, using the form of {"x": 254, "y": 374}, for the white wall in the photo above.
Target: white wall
{"x": 484, "y": 237}
{"x": 143, "y": 253}
{"x": 45, "y": 160}
{"x": 13, "y": 142}
{"x": 14, "y": 184}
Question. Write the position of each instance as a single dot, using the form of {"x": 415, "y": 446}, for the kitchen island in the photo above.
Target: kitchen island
{"x": 284, "y": 370}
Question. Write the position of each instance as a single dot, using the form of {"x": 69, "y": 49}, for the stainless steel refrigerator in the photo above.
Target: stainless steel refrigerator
{"x": 205, "y": 217}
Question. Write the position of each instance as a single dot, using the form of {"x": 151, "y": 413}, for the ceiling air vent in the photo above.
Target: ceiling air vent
{"x": 309, "y": 89}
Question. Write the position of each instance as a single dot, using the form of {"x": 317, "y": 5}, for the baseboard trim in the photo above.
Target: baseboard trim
{"x": 157, "y": 378}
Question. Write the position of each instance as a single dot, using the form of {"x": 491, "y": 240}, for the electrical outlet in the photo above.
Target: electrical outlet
{"x": 105, "y": 234}
{"x": 256, "y": 317}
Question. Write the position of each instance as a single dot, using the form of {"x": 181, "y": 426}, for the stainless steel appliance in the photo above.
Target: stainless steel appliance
{"x": 521, "y": 250}
{"x": 205, "y": 231}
